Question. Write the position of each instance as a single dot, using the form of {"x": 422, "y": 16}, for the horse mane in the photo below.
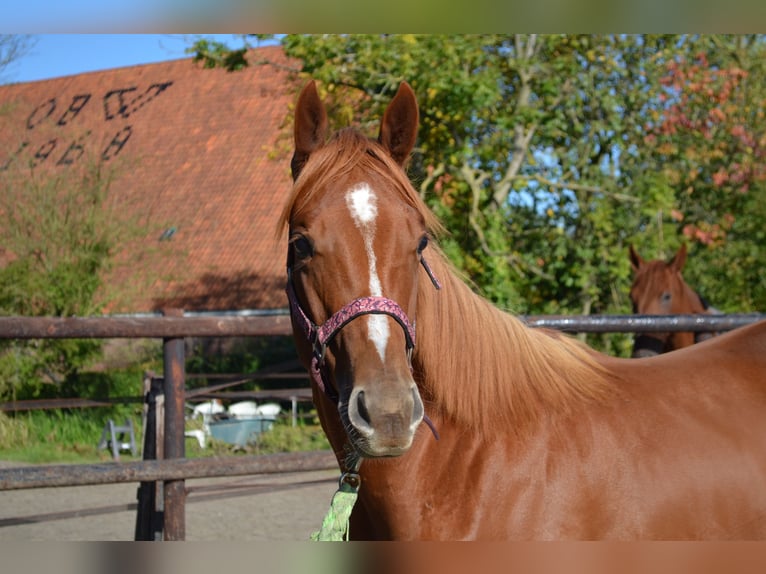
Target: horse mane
{"x": 477, "y": 364}
{"x": 487, "y": 369}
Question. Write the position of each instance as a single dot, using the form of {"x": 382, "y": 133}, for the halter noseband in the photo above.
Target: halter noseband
{"x": 320, "y": 335}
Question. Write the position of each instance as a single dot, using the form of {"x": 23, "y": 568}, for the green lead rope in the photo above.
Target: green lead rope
{"x": 335, "y": 524}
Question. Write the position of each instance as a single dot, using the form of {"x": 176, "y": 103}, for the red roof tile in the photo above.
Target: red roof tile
{"x": 203, "y": 151}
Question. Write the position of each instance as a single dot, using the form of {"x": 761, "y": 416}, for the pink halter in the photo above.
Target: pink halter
{"x": 320, "y": 335}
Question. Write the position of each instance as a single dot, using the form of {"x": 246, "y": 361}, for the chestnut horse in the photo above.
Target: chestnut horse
{"x": 659, "y": 289}
{"x": 529, "y": 434}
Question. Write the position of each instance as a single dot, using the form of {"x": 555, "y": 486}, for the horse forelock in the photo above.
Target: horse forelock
{"x": 645, "y": 281}
{"x": 347, "y": 152}
{"x": 657, "y": 276}
{"x": 487, "y": 370}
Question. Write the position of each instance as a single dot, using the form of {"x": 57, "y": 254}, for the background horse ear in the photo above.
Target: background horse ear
{"x": 310, "y": 127}
{"x": 399, "y": 128}
{"x": 635, "y": 259}
{"x": 679, "y": 259}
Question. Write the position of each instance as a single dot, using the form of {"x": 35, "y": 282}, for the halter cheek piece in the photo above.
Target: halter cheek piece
{"x": 320, "y": 335}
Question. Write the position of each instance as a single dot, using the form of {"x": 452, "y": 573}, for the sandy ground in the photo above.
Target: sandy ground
{"x": 283, "y": 507}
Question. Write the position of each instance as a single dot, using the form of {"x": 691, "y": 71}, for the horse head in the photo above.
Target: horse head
{"x": 659, "y": 289}
{"x": 354, "y": 253}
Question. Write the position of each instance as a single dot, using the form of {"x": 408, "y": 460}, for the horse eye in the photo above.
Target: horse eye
{"x": 423, "y": 244}
{"x": 302, "y": 247}
{"x": 665, "y": 297}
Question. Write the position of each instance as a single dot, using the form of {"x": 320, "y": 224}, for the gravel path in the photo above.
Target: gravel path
{"x": 284, "y": 507}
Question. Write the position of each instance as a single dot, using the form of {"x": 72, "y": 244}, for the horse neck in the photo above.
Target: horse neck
{"x": 485, "y": 369}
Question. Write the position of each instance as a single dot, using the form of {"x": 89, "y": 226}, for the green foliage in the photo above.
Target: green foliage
{"x": 709, "y": 144}
{"x": 58, "y": 237}
{"x": 58, "y": 435}
{"x": 72, "y": 435}
{"x": 63, "y": 436}
{"x": 547, "y": 155}
{"x": 522, "y": 131}
{"x": 215, "y": 54}
{"x": 283, "y": 437}
{"x": 238, "y": 355}
{"x": 58, "y": 240}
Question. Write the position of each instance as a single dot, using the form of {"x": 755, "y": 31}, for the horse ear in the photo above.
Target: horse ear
{"x": 679, "y": 259}
{"x": 399, "y": 128}
{"x": 635, "y": 259}
{"x": 310, "y": 127}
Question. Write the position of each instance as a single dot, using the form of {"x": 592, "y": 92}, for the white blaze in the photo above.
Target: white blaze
{"x": 361, "y": 202}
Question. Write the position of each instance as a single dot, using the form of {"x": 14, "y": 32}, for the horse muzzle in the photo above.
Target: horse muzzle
{"x": 381, "y": 419}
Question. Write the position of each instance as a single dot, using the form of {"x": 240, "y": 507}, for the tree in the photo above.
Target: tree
{"x": 709, "y": 139}
{"x": 13, "y": 47}
{"x": 537, "y": 152}
{"x": 58, "y": 238}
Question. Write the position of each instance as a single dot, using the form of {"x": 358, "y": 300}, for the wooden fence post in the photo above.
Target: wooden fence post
{"x": 174, "y": 441}
{"x": 149, "y": 517}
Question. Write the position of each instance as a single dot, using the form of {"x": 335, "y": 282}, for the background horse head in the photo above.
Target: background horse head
{"x": 659, "y": 289}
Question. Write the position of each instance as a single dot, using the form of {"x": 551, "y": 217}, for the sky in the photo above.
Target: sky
{"x": 55, "y": 55}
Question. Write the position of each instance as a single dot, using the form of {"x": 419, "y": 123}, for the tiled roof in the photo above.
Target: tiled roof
{"x": 202, "y": 154}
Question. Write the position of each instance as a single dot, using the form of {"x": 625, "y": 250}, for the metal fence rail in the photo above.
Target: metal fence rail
{"x": 126, "y": 327}
{"x": 643, "y": 323}
{"x": 142, "y": 327}
{"x": 162, "y": 470}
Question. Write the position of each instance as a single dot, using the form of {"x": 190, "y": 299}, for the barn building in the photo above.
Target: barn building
{"x": 199, "y": 160}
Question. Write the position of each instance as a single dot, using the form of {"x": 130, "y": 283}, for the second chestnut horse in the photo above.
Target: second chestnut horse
{"x": 659, "y": 289}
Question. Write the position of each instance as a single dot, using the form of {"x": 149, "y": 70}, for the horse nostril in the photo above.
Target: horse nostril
{"x": 359, "y": 415}
{"x": 362, "y": 407}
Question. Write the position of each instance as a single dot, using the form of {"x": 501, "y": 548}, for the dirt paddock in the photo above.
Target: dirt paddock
{"x": 278, "y": 507}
